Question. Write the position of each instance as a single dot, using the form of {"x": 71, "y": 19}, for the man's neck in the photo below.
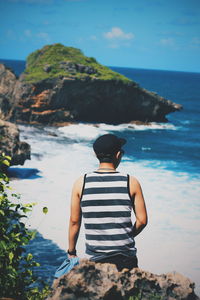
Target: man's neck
{"x": 107, "y": 166}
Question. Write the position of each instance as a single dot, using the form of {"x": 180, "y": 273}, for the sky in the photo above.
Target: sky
{"x": 148, "y": 34}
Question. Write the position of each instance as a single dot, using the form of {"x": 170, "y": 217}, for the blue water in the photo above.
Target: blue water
{"x": 17, "y": 66}
{"x": 175, "y": 149}
{"x": 180, "y": 148}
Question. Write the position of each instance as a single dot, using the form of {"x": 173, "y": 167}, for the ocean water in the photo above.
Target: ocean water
{"x": 164, "y": 158}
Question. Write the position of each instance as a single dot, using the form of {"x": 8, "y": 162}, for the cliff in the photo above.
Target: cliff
{"x": 90, "y": 281}
{"x": 7, "y": 84}
{"x": 11, "y": 145}
{"x": 60, "y": 84}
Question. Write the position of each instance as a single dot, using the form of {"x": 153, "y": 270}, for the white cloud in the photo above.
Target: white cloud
{"x": 27, "y": 33}
{"x": 93, "y": 37}
{"x": 167, "y": 42}
{"x": 44, "y": 36}
{"x": 117, "y": 33}
{"x": 196, "y": 41}
{"x": 114, "y": 45}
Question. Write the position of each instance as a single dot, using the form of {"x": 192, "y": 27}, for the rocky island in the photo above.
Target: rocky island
{"x": 61, "y": 85}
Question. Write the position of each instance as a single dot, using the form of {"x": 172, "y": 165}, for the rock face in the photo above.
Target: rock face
{"x": 60, "y": 84}
{"x": 11, "y": 145}
{"x": 90, "y": 281}
{"x": 7, "y": 85}
{"x": 90, "y": 100}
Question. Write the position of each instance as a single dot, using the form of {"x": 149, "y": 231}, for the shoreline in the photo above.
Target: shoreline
{"x": 97, "y": 124}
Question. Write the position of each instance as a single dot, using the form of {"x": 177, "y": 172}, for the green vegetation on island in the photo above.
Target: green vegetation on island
{"x": 58, "y": 60}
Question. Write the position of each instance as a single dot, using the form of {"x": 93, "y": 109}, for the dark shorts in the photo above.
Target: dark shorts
{"x": 121, "y": 261}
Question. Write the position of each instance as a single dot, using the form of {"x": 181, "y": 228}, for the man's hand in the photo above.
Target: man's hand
{"x": 71, "y": 256}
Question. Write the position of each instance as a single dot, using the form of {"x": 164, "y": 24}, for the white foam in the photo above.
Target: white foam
{"x": 141, "y": 127}
{"x": 81, "y": 131}
{"x": 89, "y": 131}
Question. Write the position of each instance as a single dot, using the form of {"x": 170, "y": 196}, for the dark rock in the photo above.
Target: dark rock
{"x": 90, "y": 281}
{"x": 7, "y": 83}
{"x": 69, "y": 66}
{"x": 47, "y": 68}
{"x": 65, "y": 100}
{"x": 11, "y": 145}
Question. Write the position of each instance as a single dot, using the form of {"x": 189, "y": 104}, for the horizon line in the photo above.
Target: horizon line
{"x": 137, "y": 68}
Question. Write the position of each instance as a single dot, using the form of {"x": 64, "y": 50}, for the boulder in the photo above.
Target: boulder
{"x": 11, "y": 145}
{"x": 95, "y": 281}
{"x": 7, "y": 85}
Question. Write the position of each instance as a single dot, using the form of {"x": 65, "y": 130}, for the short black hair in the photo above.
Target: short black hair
{"x": 109, "y": 158}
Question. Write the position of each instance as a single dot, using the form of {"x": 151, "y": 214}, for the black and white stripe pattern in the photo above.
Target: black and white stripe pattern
{"x": 106, "y": 209}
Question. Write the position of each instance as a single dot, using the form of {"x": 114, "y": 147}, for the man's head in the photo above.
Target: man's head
{"x": 107, "y": 146}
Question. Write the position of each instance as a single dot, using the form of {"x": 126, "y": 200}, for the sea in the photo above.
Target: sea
{"x": 164, "y": 157}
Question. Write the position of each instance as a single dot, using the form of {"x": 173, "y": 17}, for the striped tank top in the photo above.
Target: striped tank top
{"x": 106, "y": 210}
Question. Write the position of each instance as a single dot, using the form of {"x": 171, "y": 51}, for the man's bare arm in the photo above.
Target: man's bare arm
{"x": 76, "y": 216}
{"x": 139, "y": 206}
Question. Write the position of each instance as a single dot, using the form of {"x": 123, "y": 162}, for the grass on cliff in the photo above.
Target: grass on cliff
{"x": 52, "y": 55}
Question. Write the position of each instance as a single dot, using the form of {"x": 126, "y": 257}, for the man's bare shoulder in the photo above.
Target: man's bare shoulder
{"x": 134, "y": 180}
{"x": 78, "y": 184}
{"x": 79, "y": 181}
{"x": 134, "y": 184}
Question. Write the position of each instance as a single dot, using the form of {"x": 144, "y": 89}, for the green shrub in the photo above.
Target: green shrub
{"x": 53, "y": 55}
{"x": 16, "y": 266}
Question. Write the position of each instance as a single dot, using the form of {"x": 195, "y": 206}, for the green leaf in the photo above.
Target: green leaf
{"x": 37, "y": 264}
{"x": 45, "y": 210}
{"x": 11, "y": 255}
{"x": 33, "y": 234}
{"x": 2, "y": 212}
{"x": 29, "y": 257}
{"x": 3, "y": 245}
{"x": 8, "y": 157}
{"x": 5, "y": 162}
{"x": 25, "y": 210}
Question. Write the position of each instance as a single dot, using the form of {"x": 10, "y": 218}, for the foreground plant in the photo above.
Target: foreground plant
{"x": 17, "y": 279}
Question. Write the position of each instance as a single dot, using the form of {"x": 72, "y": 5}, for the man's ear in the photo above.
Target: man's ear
{"x": 118, "y": 154}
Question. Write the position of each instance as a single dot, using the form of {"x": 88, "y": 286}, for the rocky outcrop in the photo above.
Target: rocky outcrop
{"x": 60, "y": 85}
{"x": 11, "y": 145}
{"x": 74, "y": 68}
{"x": 7, "y": 85}
{"x": 90, "y": 281}
{"x": 66, "y": 99}
{"x": 9, "y": 134}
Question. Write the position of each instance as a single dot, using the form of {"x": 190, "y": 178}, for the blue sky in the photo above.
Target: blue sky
{"x": 150, "y": 34}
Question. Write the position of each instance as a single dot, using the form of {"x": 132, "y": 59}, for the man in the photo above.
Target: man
{"x": 105, "y": 199}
